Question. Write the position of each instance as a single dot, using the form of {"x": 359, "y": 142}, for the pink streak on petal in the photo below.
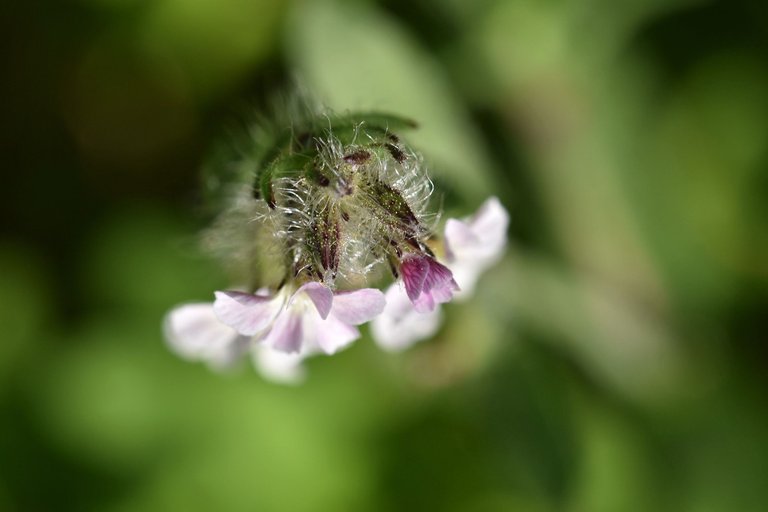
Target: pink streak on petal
{"x": 246, "y": 313}
{"x": 439, "y": 277}
{"x": 321, "y": 296}
{"x": 438, "y": 286}
{"x": 358, "y": 306}
{"x": 287, "y": 332}
{"x": 334, "y": 334}
{"x": 414, "y": 270}
{"x": 427, "y": 282}
{"x": 444, "y": 293}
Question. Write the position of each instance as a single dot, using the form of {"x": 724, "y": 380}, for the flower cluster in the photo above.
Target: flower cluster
{"x": 334, "y": 204}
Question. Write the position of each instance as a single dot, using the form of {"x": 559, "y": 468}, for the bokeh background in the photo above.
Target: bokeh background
{"x": 615, "y": 360}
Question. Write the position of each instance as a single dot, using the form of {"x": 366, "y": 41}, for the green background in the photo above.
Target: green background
{"x": 615, "y": 360}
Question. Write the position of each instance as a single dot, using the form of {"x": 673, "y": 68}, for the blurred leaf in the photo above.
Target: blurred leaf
{"x": 214, "y": 45}
{"x": 127, "y": 111}
{"x": 617, "y": 341}
{"x": 145, "y": 257}
{"x": 25, "y": 311}
{"x": 700, "y": 183}
{"x": 102, "y": 397}
{"x": 615, "y": 470}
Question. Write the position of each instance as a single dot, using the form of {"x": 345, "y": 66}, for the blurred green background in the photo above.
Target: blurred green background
{"x": 616, "y": 360}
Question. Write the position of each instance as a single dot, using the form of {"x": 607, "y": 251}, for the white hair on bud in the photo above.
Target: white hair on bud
{"x": 363, "y": 192}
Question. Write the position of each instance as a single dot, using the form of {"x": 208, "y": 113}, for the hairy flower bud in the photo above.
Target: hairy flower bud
{"x": 337, "y": 195}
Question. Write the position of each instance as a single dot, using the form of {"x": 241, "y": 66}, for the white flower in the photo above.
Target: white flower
{"x": 279, "y": 331}
{"x": 475, "y": 244}
{"x": 194, "y": 332}
{"x": 278, "y": 366}
{"x": 313, "y": 318}
{"x": 472, "y": 245}
{"x": 399, "y": 326}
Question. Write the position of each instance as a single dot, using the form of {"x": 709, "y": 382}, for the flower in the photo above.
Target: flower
{"x": 311, "y": 319}
{"x": 327, "y": 199}
{"x": 399, "y": 326}
{"x": 427, "y": 282}
{"x": 476, "y": 243}
{"x": 195, "y": 333}
{"x": 278, "y": 366}
{"x": 279, "y": 330}
{"x": 472, "y": 245}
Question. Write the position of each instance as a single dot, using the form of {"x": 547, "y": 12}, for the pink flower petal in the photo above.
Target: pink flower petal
{"x": 321, "y": 296}
{"x": 480, "y": 237}
{"x": 439, "y": 281}
{"x": 476, "y": 243}
{"x": 491, "y": 220}
{"x": 248, "y": 314}
{"x": 358, "y": 306}
{"x": 466, "y": 275}
{"x": 333, "y": 334}
{"x": 399, "y": 326}
{"x": 458, "y": 234}
{"x": 427, "y": 282}
{"x": 287, "y": 333}
{"x": 424, "y": 304}
{"x": 414, "y": 269}
{"x": 195, "y": 333}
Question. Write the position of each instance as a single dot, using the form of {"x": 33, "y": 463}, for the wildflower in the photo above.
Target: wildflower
{"x": 313, "y": 318}
{"x": 399, "y": 326}
{"x": 427, "y": 282}
{"x": 476, "y": 243}
{"x": 280, "y": 331}
{"x": 472, "y": 245}
{"x": 320, "y": 203}
{"x": 195, "y": 333}
{"x": 279, "y": 366}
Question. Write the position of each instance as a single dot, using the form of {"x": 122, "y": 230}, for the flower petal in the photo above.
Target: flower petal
{"x": 439, "y": 281}
{"x": 438, "y": 286}
{"x": 278, "y": 366}
{"x": 480, "y": 237}
{"x": 491, "y": 221}
{"x": 425, "y": 303}
{"x": 466, "y": 274}
{"x": 195, "y": 333}
{"x": 333, "y": 334}
{"x": 458, "y": 236}
{"x": 414, "y": 270}
{"x": 287, "y": 333}
{"x": 248, "y": 314}
{"x": 399, "y": 326}
{"x": 358, "y": 306}
{"x": 321, "y": 296}
{"x": 476, "y": 243}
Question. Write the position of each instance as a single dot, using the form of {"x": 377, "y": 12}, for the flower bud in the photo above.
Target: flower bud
{"x": 336, "y": 195}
